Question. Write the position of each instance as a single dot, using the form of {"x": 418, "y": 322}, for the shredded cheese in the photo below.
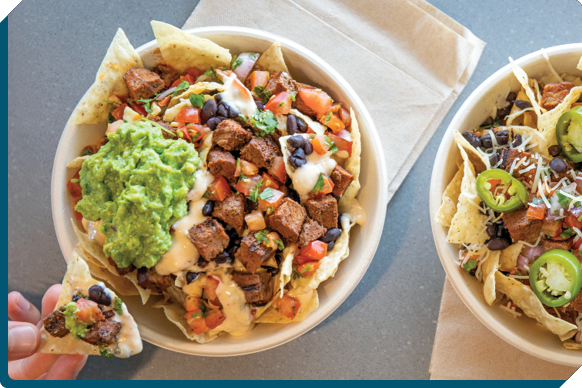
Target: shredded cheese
{"x": 535, "y": 245}
{"x": 510, "y": 310}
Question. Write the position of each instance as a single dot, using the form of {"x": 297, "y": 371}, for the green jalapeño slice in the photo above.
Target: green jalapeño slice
{"x": 556, "y": 277}
{"x": 500, "y": 191}
{"x": 569, "y": 134}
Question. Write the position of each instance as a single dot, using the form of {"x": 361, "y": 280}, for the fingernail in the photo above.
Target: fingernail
{"x": 21, "y": 340}
{"x": 79, "y": 367}
{"x": 22, "y": 303}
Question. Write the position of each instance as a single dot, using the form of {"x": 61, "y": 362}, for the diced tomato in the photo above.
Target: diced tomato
{"x": 248, "y": 168}
{"x": 196, "y": 321}
{"x": 536, "y": 212}
{"x": 190, "y": 79}
{"x": 335, "y": 107}
{"x": 78, "y": 215}
{"x": 192, "y": 303}
{"x": 344, "y": 116}
{"x": 74, "y": 186}
{"x": 278, "y": 169}
{"x": 314, "y": 251}
{"x": 193, "y": 72}
{"x": 196, "y": 132}
{"x": 189, "y": 114}
{"x": 288, "y": 306}
{"x": 308, "y": 269}
{"x": 279, "y": 103}
{"x": 165, "y": 101}
{"x": 214, "y": 319}
{"x": 319, "y": 145}
{"x": 118, "y": 112}
{"x": 269, "y": 181}
{"x": 89, "y": 311}
{"x": 573, "y": 222}
{"x": 316, "y": 99}
{"x": 270, "y": 204}
{"x": 255, "y": 221}
{"x": 246, "y": 185}
{"x": 176, "y": 83}
{"x": 209, "y": 288}
{"x": 332, "y": 121}
{"x": 138, "y": 108}
{"x": 323, "y": 188}
{"x": 343, "y": 141}
{"x": 577, "y": 242}
{"x": 218, "y": 189}
{"x": 257, "y": 78}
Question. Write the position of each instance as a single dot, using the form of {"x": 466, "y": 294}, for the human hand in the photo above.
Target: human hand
{"x": 24, "y": 339}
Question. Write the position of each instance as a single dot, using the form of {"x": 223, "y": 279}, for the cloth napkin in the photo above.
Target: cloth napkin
{"x": 453, "y": 359}
{"x": 407, "y": 61}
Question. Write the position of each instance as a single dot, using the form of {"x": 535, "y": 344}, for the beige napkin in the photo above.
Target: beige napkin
{"x": 406, "y": 60}
{"x": 453, "y": 359}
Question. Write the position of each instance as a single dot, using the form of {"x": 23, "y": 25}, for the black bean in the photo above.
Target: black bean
{"x": 213, "y": 122}
{"x": 98, "y": 295}
{"x": 331, "y": 235}
{"x": 308, "y": 148}
{"x": 491, "y": 230}
{"x": 260, "y": 105}
{"x": 330, "y": 245}
{"x": 76, "y": 297}
{"x": 511, "y": 97}
{"x": 517, "y": 142}
{"x": 222, "y": 110}
{"x": 486, "y": 142}
{"x": 487, "y": 122}
{"x": 301, "y": 125}
{"x": 494, "y": 159}
{"x": 555, "y": 150}
{"x": 259, "y": 304}
{"x": 233, "y": 111}
{"x": 499, "y": 232}
{"x": 192, "y": 276}
{"x": 472, "y": 139}
{"x": 299, "y": 153}
{"x": 272, "y": 270}
{"x": 208, "y": 208}
{"x": 218, "y": 97}
{"x": 232, "y": 250}
{"x": 502, "y": 137}
{"x": 296, "y": 162}
{"x": 201, "y": 262}
{"x": 295, "y": 141}
{"x": 522, "y": 104}
{"x": 502, "y": 112}
{"x": 558, "y": 165}
{"x": 497, "y": 244}
{"x": 223, "y": 257}
{"x": 208, "y": 110}
{"x": 291, "y": 124}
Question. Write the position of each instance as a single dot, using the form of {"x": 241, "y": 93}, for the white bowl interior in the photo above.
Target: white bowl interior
{"x": 523, "y": 333}
{"x": 304, "y": 66}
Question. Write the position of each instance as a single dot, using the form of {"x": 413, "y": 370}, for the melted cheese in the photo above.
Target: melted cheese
{"x": 305, "y": 177}
{"x": 92, "y": 228}
{"x": 235, "y": 93}
{"x": 203, "y": 179}
{"x": 354, "y": 210}
{"x": 182, "y": 253}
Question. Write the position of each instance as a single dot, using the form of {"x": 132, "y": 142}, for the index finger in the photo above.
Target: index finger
{"x": 49, "y": 300}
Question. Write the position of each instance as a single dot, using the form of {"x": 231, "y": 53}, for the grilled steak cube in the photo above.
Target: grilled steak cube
{"x": 252, "y": 253}
{"x": 323, "y": 210}
{"x": 143, "y": 83}
{"x": 509, "y": 155}
{"x": 54, "y": 323}
{"x": 222, "y": 163}
{"x": 261, "y": 151}
{"x": 103, "y": 333}
{"x": 232, "y": 211}
{"x": 167, "y": 73}
{"x": 554, "y": 94}
{"x": 550, "y": 245}
{"x": 341, "y": 180}
{"x": 121, "y": 271}
{"x": 521, "y": 228}
{"x": 257, "y": 288}
{"x": 209, "y": 238}
{"x": 311, "y": 230}
{"x": 149, "y": 279}
{"x": 287, "y": 220}
{"x": 281, "y": 82}
{"x": 230, "y": 135}
{"x": 576, "y": 304}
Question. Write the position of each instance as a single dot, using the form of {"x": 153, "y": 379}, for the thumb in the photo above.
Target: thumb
{"x": 23, "y": 340}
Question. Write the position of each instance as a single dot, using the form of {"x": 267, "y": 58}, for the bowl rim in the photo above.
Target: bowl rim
{"x": 454, "y": 276}
{"x": 372, "y": 242}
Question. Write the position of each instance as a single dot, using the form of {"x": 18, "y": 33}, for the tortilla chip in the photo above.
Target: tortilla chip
{"x": 547, "y": 122}
{"x": 580, "y": 64}
{"x": 182, "y": 50}
{"x": 77, "y": 162}
{"x": 541, "y": 145}
{"x": 272, "y": 59}
{"x": 508, "y": 257}
{"x": 175, "y": 314}
{"x": 571, "y": 345}
{"x": 525, "y": 298}
{"x": 489, "y": 268}
{"x": 309, "y": 302}
{"x": 476, "y": 158}
{"x": 353, "y": 163}
{"x": 523, "y": 79}
{"x": 120, "y": 57}
{"x": 78, "y": 278}
{"x": 330, "y": 263}
{"x": 316, "y": 127}
{"x": 197, "y": 88}
{"x": 450, "y": 198}
{"x": 468, "y": 224}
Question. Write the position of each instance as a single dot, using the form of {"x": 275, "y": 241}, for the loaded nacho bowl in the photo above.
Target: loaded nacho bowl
{"x": 220, "y": 189}
{"x": 509, "y": 205}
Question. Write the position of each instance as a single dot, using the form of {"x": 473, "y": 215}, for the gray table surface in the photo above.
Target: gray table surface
{"x": 384, "y": 330}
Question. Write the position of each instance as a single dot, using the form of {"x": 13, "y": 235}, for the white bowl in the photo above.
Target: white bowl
{"x": 523, "y": 333}
{"x": 305, "y": 67}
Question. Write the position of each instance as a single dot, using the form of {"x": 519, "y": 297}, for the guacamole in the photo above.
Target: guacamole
{"x": 137, "y": 185}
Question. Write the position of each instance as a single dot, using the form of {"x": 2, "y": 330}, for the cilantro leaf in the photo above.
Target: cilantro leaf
{"x": 196, "y": 100}
{"x": 280, "y": 244}
{"x": 296, "y": 274}
{"x": 332, "y": 147}
{"x": 562, "y": 199}
{"x": 266, "y": 194}
{"x": 211, "y": 73}
{"x": 567, "y": 233}
{"x": 252, "y": 56}
{"x": 236, "y": 62}
{"x": 104, "y": 352}
{"x": 318, "y": 185}
{"x": 118, "y": 306}
{"x": 263, "y": 94}
{"x": 254, "y": 194}
{"x": 470, "y": 265}
{"x": 180, "y": 88}
{"x": 264, "y": 123}
{"x": 261, "y": 236}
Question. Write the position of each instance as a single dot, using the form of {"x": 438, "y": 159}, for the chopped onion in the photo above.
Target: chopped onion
{"x": 523, "y": 263}
{"x": 248, "y": 61}
{"x": 248, "y": 168}
{"x": 531, "y": 254}
{"x": 255, "y": 221}
{"x": 166, "y": 93}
